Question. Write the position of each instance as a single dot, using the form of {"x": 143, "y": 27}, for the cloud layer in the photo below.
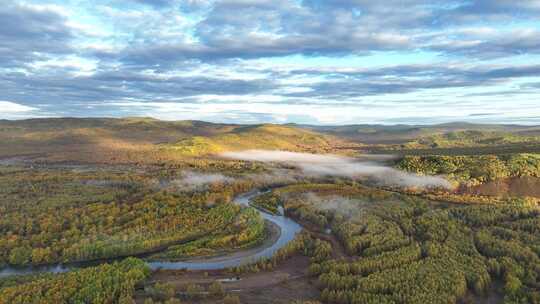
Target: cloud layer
{"x": 332, "y": 165}
{"x": 352, "y": 61}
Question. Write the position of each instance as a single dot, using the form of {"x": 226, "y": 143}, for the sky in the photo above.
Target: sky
{"x": 280, "y": 61}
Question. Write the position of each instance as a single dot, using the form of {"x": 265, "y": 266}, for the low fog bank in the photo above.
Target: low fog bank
{"x": 194, "y": 180}
{"x": 342, "y": 205}
{"x": 200, "y": 181}
{"x": 334, "y": 165}
{"x": 274, "y": 176}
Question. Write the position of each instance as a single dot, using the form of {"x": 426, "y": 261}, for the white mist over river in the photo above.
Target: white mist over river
{"x": 334, "y": 165}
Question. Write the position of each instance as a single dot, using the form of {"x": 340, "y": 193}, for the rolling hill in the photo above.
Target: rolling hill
{"x": 147, "y": 140}
{"x": 402, "y": 134}
{"x": 271, "y": 137}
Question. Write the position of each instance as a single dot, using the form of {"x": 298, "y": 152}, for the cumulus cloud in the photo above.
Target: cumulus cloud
{"x": 11, "y": 107}
{"x": 312, "y": 56}
{"x": 488, "y": 43}
{"x": 32, "y": 32}
{"x": 156, "y": 3}
{"x": 12, "y": 110}
{"x": 333, "y": 165}
{"x": 330, "y": 28}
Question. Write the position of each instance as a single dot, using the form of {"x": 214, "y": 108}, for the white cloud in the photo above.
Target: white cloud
{"x": 58, "y": 9}
{"x": 319, "y": 62}
{"x": 9, "y": 107}
{"x": 76, "y": 65}
{"x": 11, "y": 110}
{"x": 367, "y": 110}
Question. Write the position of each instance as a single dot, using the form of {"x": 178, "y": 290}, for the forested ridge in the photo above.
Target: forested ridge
{"x": 470, "y": 138}
{"x": 474, "y": 169}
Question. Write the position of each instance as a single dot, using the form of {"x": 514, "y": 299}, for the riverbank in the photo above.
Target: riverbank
{"x": 283, "y": 230}
{"x": 273, "y": 232}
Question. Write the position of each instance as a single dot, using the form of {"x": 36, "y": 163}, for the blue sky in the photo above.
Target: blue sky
{"x": 281, "y": 61}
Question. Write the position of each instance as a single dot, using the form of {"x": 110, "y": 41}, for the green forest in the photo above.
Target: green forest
{"x": 52, "y": 216}
{"x": 107, "y": 283}
{"x": 108, "y": 198}
{"x": 473, "y": 169}
{"x": 406, "y": 250}
{"x": 470, "y": 138}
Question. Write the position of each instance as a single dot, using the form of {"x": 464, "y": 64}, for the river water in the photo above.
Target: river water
{"x": 288, "y": 227}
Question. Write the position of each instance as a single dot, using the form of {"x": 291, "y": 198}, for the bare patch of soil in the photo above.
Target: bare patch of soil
{"x": 288, "y": 281}
{"x": 492, "y": 296}
{"x": 519, "y": 186}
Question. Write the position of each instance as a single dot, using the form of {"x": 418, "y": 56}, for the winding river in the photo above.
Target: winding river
{"x": 288, "y": 230}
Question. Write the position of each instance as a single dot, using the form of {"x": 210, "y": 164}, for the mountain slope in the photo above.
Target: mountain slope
{"x": 272, "y": 137}
{"x": 400, "y": 134}
{"x": 146, "y": 140}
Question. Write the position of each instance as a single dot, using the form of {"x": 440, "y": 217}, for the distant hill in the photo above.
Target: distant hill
{"x": 146, "y": 130}
{"x": 147, "y": 139}
{"x": 401, "y": 134}
{"x": 274, "y": 137}
{"x": 470, "y": 138}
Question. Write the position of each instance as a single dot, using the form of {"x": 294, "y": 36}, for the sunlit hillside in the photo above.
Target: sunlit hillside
{"x": 146, "y": 140}
{"x": 271, "y": 137}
